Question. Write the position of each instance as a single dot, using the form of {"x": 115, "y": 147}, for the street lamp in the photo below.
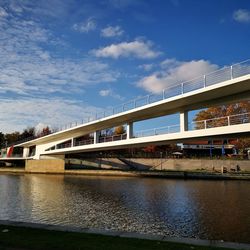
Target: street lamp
{"x": 161, "y": 159}
{"x": 100, "y": 163}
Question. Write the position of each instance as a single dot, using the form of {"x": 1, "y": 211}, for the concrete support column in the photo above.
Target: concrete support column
{"x": 26, "y": 152}
{"x": 183, "y": 121}
{"x": 96, "y": 136}
{"x": 130, "y": 130}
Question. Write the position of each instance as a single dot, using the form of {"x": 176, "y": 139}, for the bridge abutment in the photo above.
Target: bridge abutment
{"x": 51, "y": 164}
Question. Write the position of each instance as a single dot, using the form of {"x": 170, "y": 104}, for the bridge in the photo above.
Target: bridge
{"x": 220, "y": 87}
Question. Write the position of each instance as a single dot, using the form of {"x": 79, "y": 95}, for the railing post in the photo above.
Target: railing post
{"x": 231, "y": 71}
{"x": 205, "y": 124}
{"x": 148, "y": 97}
{"x": 205, "y": 81}
{"x": 163, "y": 94}
{"x": 228, "y": 121}
{"x": 182, "y": 88}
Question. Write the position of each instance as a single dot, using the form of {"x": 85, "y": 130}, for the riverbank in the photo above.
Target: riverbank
{"x": 20, "y": 235}
{"x": 204, "y": 175}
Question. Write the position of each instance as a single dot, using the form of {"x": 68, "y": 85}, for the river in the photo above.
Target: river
{"x": 183, "y": 208}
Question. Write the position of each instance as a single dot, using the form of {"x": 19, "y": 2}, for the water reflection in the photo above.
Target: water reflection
{"x": 203, "y": 209}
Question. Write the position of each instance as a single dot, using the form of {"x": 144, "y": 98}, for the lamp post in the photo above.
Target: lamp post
{"x": 161, "y": 159}
{"x": 100, "y": 163}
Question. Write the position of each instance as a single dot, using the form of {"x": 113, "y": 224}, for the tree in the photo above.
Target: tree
{"x": 12, "y": 137}
{"x": 2, "y": 140}
{"x": 27, "y": 133}
{"x": 119, "y": 130}
{"x": 224, "y": 111}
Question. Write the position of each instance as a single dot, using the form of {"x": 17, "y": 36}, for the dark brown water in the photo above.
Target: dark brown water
{"x": 188, "y": 208}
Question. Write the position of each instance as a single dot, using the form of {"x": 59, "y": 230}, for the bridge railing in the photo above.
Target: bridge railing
{"x": 177, "y": 89}
{"x": 158, "y": 131}
{"x": 197, "y": 125}
{"x": 221, "y": 121}
{"x": 84, "y": 142}
{"x": 113, "y": 138}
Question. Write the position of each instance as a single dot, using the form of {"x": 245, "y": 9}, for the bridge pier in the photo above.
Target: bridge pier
{"x": 130, "y": 131}
{"x": 183, "y": 121}
{"x": 26, "y": 152}
{"x": 96, "y": 136}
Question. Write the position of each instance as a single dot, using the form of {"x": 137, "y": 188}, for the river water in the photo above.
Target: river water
{"x": 183, "y": 208}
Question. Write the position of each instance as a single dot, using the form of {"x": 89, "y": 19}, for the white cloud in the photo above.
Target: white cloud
{"x": 242, "y": 15}
{"x": 36, "y": 82}
{"x": 3, "y": 12}
{"x": 112, "y": 31}
{"x": 174, "y": 72}
{"x": 137, "y": 49}
{"x": 146, "y": 67}
{"x": 111, "y": 93}
{"x": 27, "y": 68}
{"x": 55, "y": 112}
{"x": 85, "y": 27}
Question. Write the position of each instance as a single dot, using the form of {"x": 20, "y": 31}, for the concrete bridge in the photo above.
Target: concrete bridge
{"x": 229, "y": 84}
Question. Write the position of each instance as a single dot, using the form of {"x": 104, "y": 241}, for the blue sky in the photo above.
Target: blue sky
{"x": 63, "y": 60}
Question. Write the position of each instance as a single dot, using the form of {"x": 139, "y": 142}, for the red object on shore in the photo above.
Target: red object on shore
{"x": 10, "y": 151}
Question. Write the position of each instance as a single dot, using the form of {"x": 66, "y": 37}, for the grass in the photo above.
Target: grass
{"x": 21, "y": 238}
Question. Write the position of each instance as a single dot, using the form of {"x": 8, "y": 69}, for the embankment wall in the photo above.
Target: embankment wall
{"x": 45, "y": 166}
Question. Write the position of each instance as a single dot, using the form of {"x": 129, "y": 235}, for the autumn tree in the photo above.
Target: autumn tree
{"x": 119, "y": 130}
{"x": 224, "y": 111}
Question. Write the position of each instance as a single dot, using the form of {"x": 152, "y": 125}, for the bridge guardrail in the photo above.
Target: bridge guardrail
{"x": 178, "y": 89}
{"x": 196, "y": 125}
{"x": 220, "y": 75}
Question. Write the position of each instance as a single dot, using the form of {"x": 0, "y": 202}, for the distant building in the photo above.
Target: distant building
{"x": 210, "y": 148}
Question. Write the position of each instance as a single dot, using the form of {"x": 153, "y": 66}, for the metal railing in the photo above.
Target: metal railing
{"x": 84, "y": 142}
{"x": 221, "y": 121}
{"x": 64, "y": 145}
{"x": 178, "y": 89}
{"x": 113, "y": 138}
{"x": 158, "y": 131}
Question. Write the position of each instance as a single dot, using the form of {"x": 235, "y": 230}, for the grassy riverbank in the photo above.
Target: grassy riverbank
{"x": 12, "y": 237}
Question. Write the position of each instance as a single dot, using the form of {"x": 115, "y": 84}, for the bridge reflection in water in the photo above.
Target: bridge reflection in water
{"x": 201, "y": 209}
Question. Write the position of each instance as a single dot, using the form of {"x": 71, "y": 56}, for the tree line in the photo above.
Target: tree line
{"x": 30, "y": 132}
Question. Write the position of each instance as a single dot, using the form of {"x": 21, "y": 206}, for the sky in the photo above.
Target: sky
{"x": 63, "y": 60}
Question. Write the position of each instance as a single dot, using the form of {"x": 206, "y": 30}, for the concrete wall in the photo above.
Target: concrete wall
{"x": 45, "y": 166}
{"x": 105, "y": 163}
{"x": 188, "y": 164}
{"x": 58, "y": 165}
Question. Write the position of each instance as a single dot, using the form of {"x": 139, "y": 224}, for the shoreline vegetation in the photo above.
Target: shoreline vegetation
{"x": 21, "y": 235}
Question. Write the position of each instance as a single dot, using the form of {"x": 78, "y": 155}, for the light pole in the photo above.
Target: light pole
{"x": 100, "y": 163}
{"x": 161, "y": 159}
